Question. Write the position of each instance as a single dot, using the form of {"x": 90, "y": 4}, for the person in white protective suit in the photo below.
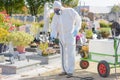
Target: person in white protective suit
{"x": 65, "y": 25}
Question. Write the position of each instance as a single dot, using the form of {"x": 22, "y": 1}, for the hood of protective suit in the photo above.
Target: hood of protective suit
{"x": 57, "y": 4}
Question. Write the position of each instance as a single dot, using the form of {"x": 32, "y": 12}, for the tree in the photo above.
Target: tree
{"x": 36, "y": 5}
{"x": 115, "y": 8}
{"x": 7, "y": 5}
{"x": 18, "y": 6}
{"x": 70, "y": 3}
{"x": 1, "y": 5}
{"x": 13, "y": 6}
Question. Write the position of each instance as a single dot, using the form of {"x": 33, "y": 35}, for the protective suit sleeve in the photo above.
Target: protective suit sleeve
{"x": 54, "y": 27}
{"x": 78, "y": 21}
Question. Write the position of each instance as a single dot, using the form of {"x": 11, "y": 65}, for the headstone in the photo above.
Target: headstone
{"x": 30, "y": 18}
{"x": 19, "y": 66}
{"x": 21, "y": 57}
{"x": 25, "y": 18}
{"x": 21, "y": 18}
{"x": 40, "y": 18}
{"x": 34, "y": 18}
{"x": 15, "y": 17}
{"x": 11, "y": 50}
{"x": 22, "y": 28}
{"x": 28, "y": 26}
{"x": 2, "y": 58}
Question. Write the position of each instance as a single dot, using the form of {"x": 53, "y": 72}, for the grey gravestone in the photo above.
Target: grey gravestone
{"x": 30, "y": 18}
{"x": 2, "y": 58}
{"x": 19, "y": 66}
{"x": 15, "y": 17}
{"x": 25, "y": 18}
{"x": 40, "y": 18}
{"x": 28, "y": 26}
{"x": 44, "y": 59}
{"x": 22, "y": 57}
{"x": 21, "y": 18}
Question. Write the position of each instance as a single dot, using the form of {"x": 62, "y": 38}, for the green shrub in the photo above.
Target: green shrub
{"x": 84, "y": 24}
{"x": 20, "y": 38}
{"x": 17, "y": 22}
{"x": 89, "y": 34}
{"x": 41, "y": 24}
{"x": 35, "y": 27}
{"x": 104, "y": 24}
{"x": 105, "y": 32}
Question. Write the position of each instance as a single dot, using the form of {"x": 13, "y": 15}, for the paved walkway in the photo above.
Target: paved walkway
{"x": 51, "y": 71}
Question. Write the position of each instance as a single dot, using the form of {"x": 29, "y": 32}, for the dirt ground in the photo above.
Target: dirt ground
{"x": 80, "y": 74}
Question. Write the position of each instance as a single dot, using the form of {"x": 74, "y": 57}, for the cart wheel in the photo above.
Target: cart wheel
{"x": 84, "y": 64}
{"x": 103, "y": 69}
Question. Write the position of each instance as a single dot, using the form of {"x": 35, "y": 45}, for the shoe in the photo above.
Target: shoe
{"x": 62, "y": 74}
{"x": 69, "y": 75}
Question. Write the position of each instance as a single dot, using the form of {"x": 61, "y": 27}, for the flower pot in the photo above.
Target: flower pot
{"x": 21, "y": 49}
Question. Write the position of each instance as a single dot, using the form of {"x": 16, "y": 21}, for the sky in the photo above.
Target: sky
{"x": 99, "y": 2}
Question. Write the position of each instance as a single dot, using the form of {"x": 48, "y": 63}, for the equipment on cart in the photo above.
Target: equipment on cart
{"x": 84, "y": 51}
{"x": 106, "y": 52}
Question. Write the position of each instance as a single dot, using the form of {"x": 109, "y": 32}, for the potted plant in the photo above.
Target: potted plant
{"x": 5, "y": 28}
{"x": 43, "y": 47}
{"x": 89, "y": 34}
{"x": 20, "y": 40}
{"x": 3, "y": 39}
{"x": 45, "y": 50}
{"x": 105, "y": 32}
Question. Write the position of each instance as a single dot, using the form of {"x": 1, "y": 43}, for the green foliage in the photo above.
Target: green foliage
{"x": 4, "y": 21}
{"x": 1, "y": 5}
{"x": 20, "y": 38}
{"x": 70, "y": 3}
{"x": 104, "y": 24}
{"x": 2, "y": 18}
{"x": 105, "y": 32}
{"x": 115, "y": 8}
{"x": 36, "y": 6}
{"x": 13, "y": 6}
{"x": 41, "y": 23}
{"x": 17, "y": 23}
{"x": 89, "y": 34}
{"x": 36, "y": 26}
{"x": 40, "y": 10}
{"x": 84, "y": 24}
{"x": 43, "y": 46}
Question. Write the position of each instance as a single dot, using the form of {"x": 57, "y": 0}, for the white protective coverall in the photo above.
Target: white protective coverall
{"x": 64, "y": 25}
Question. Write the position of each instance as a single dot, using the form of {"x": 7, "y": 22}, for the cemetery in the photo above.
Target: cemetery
{"x": 26, "y": 42}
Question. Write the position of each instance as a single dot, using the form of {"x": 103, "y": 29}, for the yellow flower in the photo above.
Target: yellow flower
{"x": 3, "y": 35}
